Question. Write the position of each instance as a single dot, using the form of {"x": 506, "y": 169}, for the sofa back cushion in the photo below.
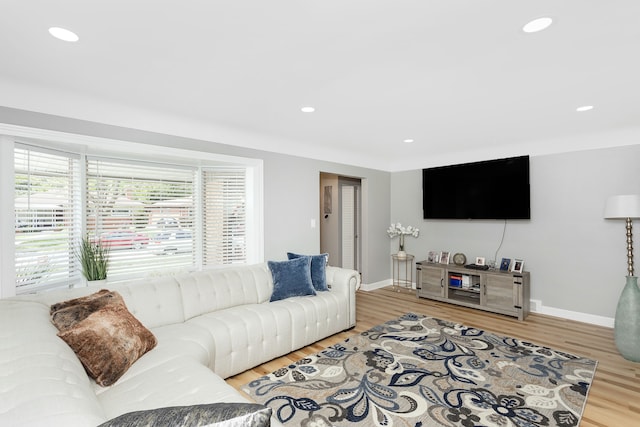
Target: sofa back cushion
{"x": 154, "y": 302}
{"x": 217, "y": 289}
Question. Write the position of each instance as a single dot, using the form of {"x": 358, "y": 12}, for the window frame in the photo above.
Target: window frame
{"x": 126, "y": 151}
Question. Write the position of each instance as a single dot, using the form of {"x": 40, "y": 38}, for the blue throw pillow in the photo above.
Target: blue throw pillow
{"x": 291, "y": 278}
{"x": 318, "y": 269}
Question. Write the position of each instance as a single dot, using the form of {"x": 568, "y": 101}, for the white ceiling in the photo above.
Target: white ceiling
{"x": 459, "y": 77}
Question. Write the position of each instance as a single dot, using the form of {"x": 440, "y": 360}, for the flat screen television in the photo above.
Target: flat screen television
{"x": 493, "y": 189}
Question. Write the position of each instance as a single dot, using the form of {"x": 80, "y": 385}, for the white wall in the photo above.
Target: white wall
{"x": 576, "y": 258}
{"x": 291, "y": 188}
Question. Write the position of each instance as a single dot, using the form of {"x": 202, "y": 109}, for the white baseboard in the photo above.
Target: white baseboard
{"x": 376, "y": 285}
{"x": 381, "y": 284}
{"x": 536, "y": 307}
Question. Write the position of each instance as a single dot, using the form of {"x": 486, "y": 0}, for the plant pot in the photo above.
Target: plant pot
{"x": 96, "y": 283}
{"x": 401, "y": 253}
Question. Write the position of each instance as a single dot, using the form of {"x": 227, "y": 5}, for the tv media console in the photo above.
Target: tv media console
{"x": 496, "y": 291}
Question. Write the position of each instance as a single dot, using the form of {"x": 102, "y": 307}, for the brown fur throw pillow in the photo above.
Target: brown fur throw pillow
{"x": 67, "y": 313}
{"x": 105, "y": 336}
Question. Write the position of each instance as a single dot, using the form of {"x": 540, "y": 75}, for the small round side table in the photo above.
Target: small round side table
{"x": 402, "y": 280}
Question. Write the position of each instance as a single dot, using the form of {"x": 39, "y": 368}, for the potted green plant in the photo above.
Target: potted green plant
{"x": 94, "y": 259}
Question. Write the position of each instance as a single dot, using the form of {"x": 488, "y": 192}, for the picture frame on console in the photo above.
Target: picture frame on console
{"x": 433, "y": 257}
{"x": 480, "y": 260}
{"x": 444, "y": 257}
{"x": 517, "y": 266}
{"x": 505, "y": 264}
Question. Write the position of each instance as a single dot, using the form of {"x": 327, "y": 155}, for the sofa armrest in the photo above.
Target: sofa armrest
{"x": 346, "y": 282}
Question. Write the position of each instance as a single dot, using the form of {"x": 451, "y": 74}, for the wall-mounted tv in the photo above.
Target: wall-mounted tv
{"x": 493, "y": 189}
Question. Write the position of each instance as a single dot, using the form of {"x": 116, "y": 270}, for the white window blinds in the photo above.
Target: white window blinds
{"x": 224, "y": 200}
{"x": 154, "y": 217}
{"x": 144, "y": 212}
{"x": 46, "y": 217}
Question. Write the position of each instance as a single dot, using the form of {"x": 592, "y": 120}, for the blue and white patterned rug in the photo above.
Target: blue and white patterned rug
{"x": 420, "y": 371}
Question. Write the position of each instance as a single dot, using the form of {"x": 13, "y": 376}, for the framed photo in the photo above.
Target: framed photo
{"x": 479, "y": 260}
{"x": 505, "y": 264}
{"x": 433, "y": 257}
{"x": 444, "y": 257}
{"x": 517, "y": 266}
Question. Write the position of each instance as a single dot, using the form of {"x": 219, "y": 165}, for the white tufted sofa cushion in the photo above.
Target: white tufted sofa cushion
{"x": 213, "y": 290}
{"x": 154, "y": 302}
{"x": 179, "y": 381}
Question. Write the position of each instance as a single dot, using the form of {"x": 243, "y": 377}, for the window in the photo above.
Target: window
{"x": 224, "y": 196}
{"x": 46, "y": 217}
{"x": 179, "y": 210}
{"x": 144, "y": 212}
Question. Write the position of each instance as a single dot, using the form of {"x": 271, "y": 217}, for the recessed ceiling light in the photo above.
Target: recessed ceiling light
{"x": 584, "y": 108}
{"x": 307, "y": 109}
{"x": 408, "y": 141}
{"x": 63, "y": 34}
{"x": 537, "y": 25}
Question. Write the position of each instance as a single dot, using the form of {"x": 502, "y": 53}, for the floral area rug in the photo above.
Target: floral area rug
{"x": 420, "y": 371}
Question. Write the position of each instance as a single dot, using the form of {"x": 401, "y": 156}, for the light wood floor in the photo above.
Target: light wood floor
{"x": 614, "y": 398}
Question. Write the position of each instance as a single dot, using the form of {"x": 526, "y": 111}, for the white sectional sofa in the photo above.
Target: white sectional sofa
{"x": 209, "y": 325}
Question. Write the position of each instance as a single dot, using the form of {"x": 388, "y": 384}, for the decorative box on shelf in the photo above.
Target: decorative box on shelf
{"x": 455, "y": 281}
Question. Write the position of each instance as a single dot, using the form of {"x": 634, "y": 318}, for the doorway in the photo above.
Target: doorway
{"x": 341, "y": 220}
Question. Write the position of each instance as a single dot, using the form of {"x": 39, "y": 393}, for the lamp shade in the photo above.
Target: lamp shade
{"x": 625, "y": 206}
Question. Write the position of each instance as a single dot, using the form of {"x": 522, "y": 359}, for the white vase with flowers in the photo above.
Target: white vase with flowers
{"x": 398, "y": 230}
